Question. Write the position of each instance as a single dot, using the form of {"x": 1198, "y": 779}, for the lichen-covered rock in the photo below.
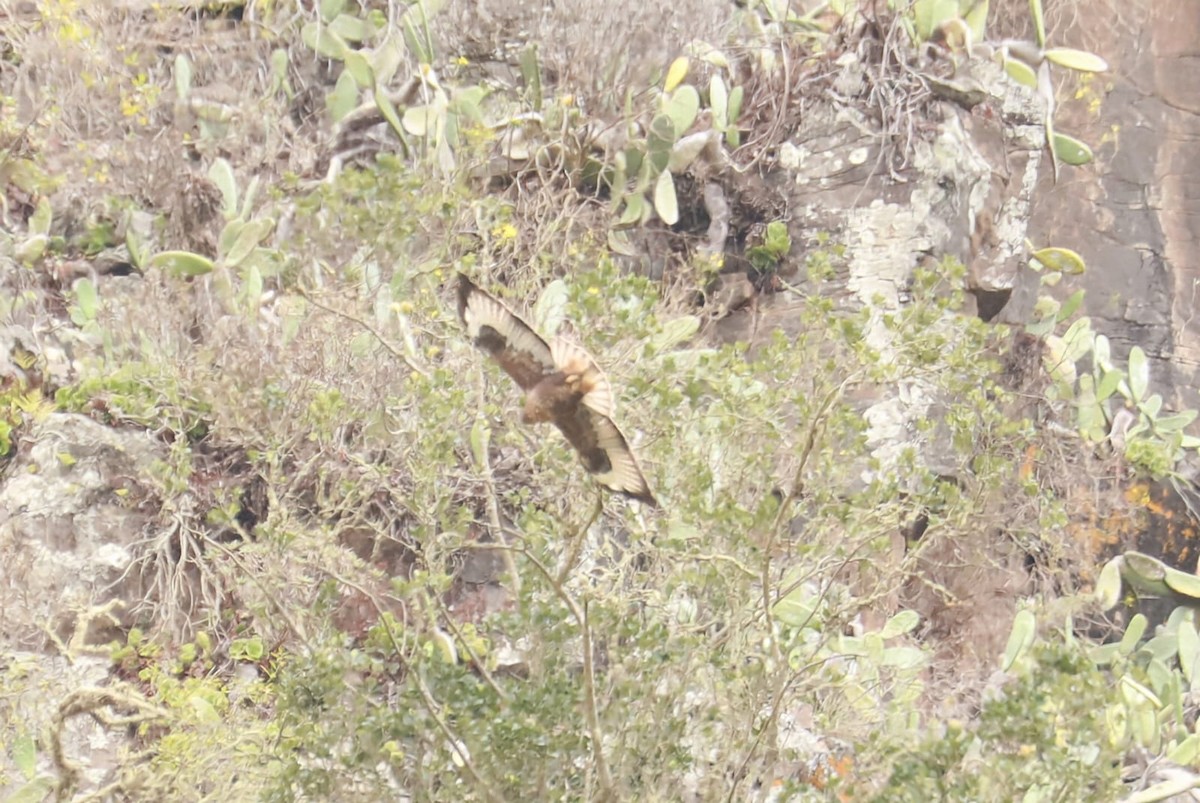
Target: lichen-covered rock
{"x": 68, "y": 527}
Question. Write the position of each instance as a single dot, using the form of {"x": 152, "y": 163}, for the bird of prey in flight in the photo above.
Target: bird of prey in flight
{"x": 562, "y": 385}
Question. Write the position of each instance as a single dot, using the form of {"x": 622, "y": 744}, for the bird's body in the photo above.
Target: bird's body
{"x": 562, "y": 385}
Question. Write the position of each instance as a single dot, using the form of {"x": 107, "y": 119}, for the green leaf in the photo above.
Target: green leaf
{"x": 279, "y": 71}
{"x": 976, "y": 19}
{"x": 550, "y": 308}
{"x": 1108, "y": 585}
{"x": 1160, "y": 678}
{"x": 360, "y": 69}
{"x": 32, "y": 249}
{"x": 1109, "y": 383}
{"x": 1174, "y": 423}
{"x": 481, "y": 436}
{"x": 1063, "y": 260}
{"x": 87, "y": 299}
{"x": 1021, "y": 72}
{"x": 351, "y": 29}
{"x": 221, "y": 174}
{"x": 928, "y": 15}
{"x": 674, "y": 332}
{"x": 635, "y": 207}
{"x": 248, "y": 239}
{"x": 1040, "y": 328}
{"x": 1078, "y": 339}
{"x": 665, "y": 203}
{"x": 1104, "y": 654}
{"x": 1070, "y": 150}
{"x": 682, "y": 108}
{"x": 344, "y": 97}
{"x": 1133, "y": 634}
{"x": 329, "y": 9}
{"x": 1163, "y": 647}
{"x": 418, "y": 120}
{"x": 1189, "y": 650}
{"x": 1137, "y": 695}
{"x": 1139, "y": 373}
{"x": 414, "y": 26}
{"x": 676, "y": 73}
{"x": 778, "y": 241}
{"x": 24, "y": 755}
{"x": 36, "y": 791}
{"x": 253, "y": 289}
{"x": 531, "y": 74}
{"x": 1183, "y": 583}
{"x": 39, "y": 221}
{"x": 1184, "y": 753}
{"x": 181, "y": 263}
{"x": 796, "y": 609}
{"x": 735, "y": 107}
{"x": 1150, "y": 407}
{"x": 1102, "y": 352}
{"x": 229, "y": 235}
{"x": 1024, "y": 630}
{"x": 205, "y": 713}
{"x": 248, "y": 197}
{"x": 1079, "y": 60}
{"x": 718, "y": 101}
{"x": 659, "y": 142}
{"x": 1039, "y": 21}
{"x": 246, "y": 649}
{"x": 1090, "y": 418}
{"x": 183, "y": 77}
{"x": 1046, "y": 92}
{"x": 903, "y": 657}
{"x": 903, "y": 622}
{"x": 1069, "y": 306}
{"x": 324, "y": 41}
{"x": 386, "y": 59}
{"x": 388, "y": 110}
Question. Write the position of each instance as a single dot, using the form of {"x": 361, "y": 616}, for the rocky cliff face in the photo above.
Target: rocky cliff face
{"x": 1134, "y": 215}
{"x": 974, "y": 185}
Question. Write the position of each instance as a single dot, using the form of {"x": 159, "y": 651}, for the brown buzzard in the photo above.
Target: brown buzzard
{"x": 562, "y": 385}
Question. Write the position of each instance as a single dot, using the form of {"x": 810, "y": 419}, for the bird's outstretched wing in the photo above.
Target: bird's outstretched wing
{"x": 605, "y": 453}
{"x": 496, "y": 329}
{"x": 522, "y": 352}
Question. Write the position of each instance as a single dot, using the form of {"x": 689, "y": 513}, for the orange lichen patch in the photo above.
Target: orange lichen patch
{"x": 828, "y": 769}
{"x": 1029, "y": 464}
{"x": 1167, "y": 528}
{"x": 1100, "y": 526}
{"x": 1137, "y": 494}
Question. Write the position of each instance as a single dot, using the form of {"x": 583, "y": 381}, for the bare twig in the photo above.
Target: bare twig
{"x": 579, "y": 612}
{"x": 575, "y": 541}
{"x": 378, "y": 336}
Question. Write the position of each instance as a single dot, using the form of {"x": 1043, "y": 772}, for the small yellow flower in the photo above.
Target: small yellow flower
{"x": 593, "y": 291}
{"x": 504, "y": 232}
{"x": 462, "y": 61}
{"x": 405, "y": 307}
